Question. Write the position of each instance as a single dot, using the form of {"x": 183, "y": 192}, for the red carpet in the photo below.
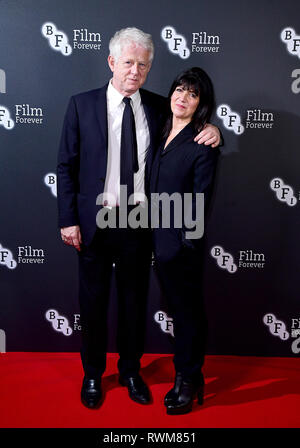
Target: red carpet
{"x": 43, "y": 390}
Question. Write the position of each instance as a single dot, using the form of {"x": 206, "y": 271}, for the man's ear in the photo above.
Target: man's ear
{"x": 111, "y": 62}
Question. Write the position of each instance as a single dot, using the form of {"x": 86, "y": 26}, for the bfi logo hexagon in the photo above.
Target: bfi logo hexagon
{"x": 231, "y": 120}
{"x": 5, "y": 119}
{"x": 165, "y": 322}
{"x": 224, "y": 259}
{"x": 50, "y": 181}
{"x": 276, "y": 327}
{"x": 284, "y": 193}
{"x": 58, "y": 40}
{"x": 176, "y": 42}
{"x": 59, "y": 323}
{"x": 7, "y": 258}
{"x": 292, "y": 40}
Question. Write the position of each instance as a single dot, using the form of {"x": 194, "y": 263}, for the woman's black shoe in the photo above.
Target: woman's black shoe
{"x": 183, "y": 402}
{"x": 172, "y": 395}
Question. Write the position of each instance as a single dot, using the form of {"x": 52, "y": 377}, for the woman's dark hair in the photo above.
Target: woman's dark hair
{"x": 197, "y": 80}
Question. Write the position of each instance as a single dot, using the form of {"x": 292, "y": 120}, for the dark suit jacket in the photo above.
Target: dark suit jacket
{"x": 183, "y": 167}
{"x": 82, "y": 159}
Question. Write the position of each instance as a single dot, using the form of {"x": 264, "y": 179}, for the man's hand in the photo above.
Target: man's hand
{"x": 72, "y": 236}
{"x": 210, "y": 135}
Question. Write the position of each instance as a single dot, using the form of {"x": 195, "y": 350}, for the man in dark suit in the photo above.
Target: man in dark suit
{"x": 94, "y": 158}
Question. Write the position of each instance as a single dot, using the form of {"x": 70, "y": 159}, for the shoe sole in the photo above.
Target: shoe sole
{"x": 179, "y": 411}
{"x": 184, "y": 409}
{"x": 93, "y": 403}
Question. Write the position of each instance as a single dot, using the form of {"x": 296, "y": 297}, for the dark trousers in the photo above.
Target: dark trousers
{"x": 180, "y": 275}
{"x": 130, "y": 250}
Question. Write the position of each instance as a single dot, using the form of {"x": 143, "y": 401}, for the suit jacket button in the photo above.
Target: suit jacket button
{"x": 102, "y": 179}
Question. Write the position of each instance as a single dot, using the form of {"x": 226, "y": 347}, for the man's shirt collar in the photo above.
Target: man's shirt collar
{"x": 115, "y": 98}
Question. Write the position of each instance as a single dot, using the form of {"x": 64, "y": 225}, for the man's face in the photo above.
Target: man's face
{"x": 131, "y": 69}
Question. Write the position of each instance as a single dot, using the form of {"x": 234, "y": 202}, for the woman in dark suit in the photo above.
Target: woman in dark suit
{"x": 181, "y": 166}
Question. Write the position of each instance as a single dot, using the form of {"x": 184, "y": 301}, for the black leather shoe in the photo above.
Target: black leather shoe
{"x": 173, "y": 393}
{"x": 183, "y": 403}
{"x": 137, "y": 389}
{"x": 91, "y": 393}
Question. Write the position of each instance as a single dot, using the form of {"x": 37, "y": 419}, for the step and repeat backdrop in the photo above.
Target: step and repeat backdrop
{"x": 50, "y": 50}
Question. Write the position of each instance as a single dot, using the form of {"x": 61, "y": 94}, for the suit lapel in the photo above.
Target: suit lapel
{"x": 180, "y": 137}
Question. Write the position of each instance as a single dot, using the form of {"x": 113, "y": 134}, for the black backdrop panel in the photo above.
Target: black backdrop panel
{"x": 51, "y": 50}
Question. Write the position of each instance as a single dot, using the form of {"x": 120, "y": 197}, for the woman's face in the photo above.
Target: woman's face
{"x": 184, "y": 103}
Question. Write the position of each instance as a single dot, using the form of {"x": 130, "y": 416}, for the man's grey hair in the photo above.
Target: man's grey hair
{"x": 127, "y": 36}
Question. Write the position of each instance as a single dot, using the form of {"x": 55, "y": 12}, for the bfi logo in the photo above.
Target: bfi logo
{"x": 29, "y": 255}
{"x": 224, "y": 259}
{"x": 5, "y": 119}
{"x": 202, "y": 42}
{"x": 58, "y": 40}
{"x": 250, "y": 259}
{"x": 50, "y": 182}
{"x": 6, "y": 258}
{"x": 59, "y": 323}
{"x": 27, "y": 114}
{"x": 2, "y": 81}
{"x": 85, "y": 40}
{"x": 276, "y": 327}
{"x": 165, "y": 322}
{"x": 292, "y": 41}
{"x": 284, "y": 193}
{"x": 176, "y": 42}
{"x": 231, "y": 120}
{"x": 82, "y": 39}
{"x": 257, "y": 119}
